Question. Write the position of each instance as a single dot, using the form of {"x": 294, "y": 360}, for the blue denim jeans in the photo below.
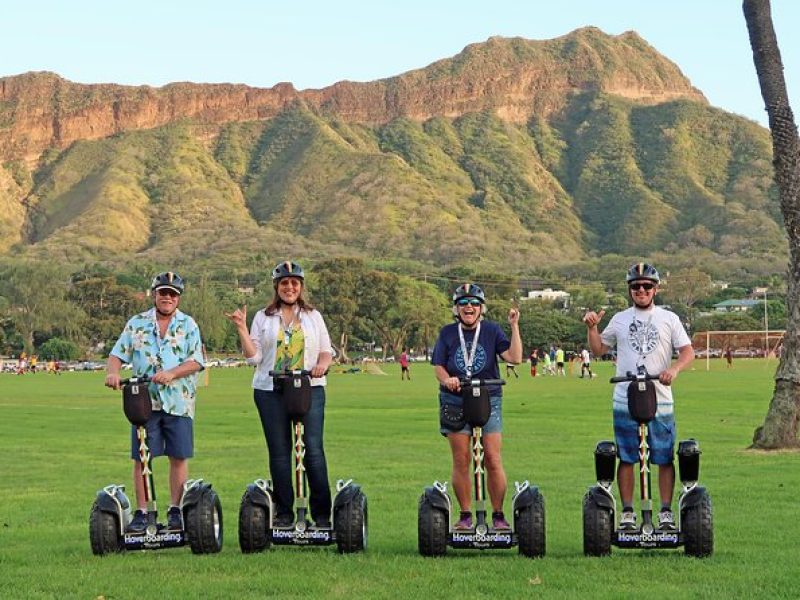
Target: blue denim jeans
{"x": 278, "y": 432}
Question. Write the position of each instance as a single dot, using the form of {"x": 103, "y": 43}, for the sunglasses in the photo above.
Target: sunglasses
{"x": 166, "y": 292}
{"x": 468, "y": 302}
{"x": 642, "y": 286}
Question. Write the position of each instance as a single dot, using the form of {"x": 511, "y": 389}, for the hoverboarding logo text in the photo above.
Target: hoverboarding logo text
{"x": 308, "y": 534}
{"x": 148, "y": 539}
{"x": 640, "y": 538}
{"x": 497, "y": 538}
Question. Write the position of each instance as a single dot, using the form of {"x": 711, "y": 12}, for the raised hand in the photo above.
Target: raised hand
{"x": 238, "y": 317}
{"x": 592, "y": 319}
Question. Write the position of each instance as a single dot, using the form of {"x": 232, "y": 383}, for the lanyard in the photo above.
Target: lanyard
{"x": 469, "y": 357}
{"x": 287, "y": 329}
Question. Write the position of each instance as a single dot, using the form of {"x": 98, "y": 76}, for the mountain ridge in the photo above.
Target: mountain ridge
{"x": 514, "y": 154}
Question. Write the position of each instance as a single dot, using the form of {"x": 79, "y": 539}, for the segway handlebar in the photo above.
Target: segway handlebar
{"x": 142, "y": 379}
{"x": 480, "y": 382}
{"x": 631, "y": 376}
{"x": 292, "y": 373}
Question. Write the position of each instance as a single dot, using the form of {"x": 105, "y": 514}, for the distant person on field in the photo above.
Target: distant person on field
{"x": 464, "y": 350}
{"x": 586, "y": 363}
{"x": 560, "y": 361}
{"x": 164, "y": 344}
{"x": 404, "y": 371}
{"x": 729, "y": 357}
{"x": 290, "y": 334}
{"x": 547, "y": 367}
{"x": 644, "y": 335}
{"x": 534, "y": 358}
{"x": 511, "y": 370}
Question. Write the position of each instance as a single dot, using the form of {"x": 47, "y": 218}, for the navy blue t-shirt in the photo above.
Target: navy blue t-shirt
{"x": 448, "y": 354}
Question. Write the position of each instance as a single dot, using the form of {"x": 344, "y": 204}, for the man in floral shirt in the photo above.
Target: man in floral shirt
{"x": 164, "y": 344}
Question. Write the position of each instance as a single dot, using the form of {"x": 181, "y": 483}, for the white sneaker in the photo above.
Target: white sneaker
{"x": 666, "y": 520}
{"x": 627, "y": 520}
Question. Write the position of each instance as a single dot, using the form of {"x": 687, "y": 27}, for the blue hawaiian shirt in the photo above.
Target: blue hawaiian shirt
{"x": 142, "y": 347}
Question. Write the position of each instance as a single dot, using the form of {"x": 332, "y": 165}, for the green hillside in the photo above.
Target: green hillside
{"x": 595, "y": 172}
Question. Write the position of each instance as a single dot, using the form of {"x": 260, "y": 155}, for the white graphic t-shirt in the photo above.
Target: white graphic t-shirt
{"x": 645, "y": 337}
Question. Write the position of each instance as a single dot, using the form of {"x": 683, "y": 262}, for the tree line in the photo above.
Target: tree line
{"x": 66, "y": 316}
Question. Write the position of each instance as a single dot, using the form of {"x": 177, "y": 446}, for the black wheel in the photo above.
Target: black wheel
{"x": 103, "y": 532}
{"x": 350, "y": 525}
{"x": 253, "y": 524}
{"x": 529, "y": 524}
{"x": 204, "y": 523}
{"x": 697, "y": 525}
{"x": 431, "y": 529}
{"x": 598, "y": 527}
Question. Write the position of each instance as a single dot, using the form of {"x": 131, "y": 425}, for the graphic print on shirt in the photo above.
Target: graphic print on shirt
{"x": 643, "y": 336}
{"x": 289, "y": 352}
{"x": 479, "y": 362}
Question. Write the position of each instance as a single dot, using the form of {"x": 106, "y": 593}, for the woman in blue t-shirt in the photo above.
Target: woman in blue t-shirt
{"x": 469, "y": 349}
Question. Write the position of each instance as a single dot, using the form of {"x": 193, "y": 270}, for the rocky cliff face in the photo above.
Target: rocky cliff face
{"x": 514, "y": 78}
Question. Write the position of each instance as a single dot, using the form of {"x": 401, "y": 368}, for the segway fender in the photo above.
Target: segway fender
{"x": 600, "y": 498}
{"x": 113, "y": 500}
{"x": 346, "y": 494}
{"x": 436, "y": 498}
{"x": 693, "y": 497}
{"x": 257, "y": 496}
{"x": 526, "y": 498}
{"x": 193, "y": 492}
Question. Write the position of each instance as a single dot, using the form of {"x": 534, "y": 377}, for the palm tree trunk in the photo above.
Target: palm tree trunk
{"x": 781, "y": 422}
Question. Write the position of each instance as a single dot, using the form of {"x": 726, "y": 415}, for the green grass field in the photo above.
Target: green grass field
{"x": 63, "y": 438}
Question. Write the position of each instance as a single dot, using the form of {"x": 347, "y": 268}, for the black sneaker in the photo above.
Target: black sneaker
{"x": 139, "y": 522}
{"x": 285, "y": 520}
{"x": 174, "y": 518}
{"x": 323, "y": 523}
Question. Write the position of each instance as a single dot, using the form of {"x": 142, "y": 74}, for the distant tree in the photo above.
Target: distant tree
{"x": 780, "y": 426}
{"x": 36, "y": 301}
{"x": 57, "y": 348}
{"x": 203, "y": 303}
{"x": 336, "y": 294}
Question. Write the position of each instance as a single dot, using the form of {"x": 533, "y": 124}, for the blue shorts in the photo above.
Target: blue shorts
{"x": 661, "y": 437}
{"x": 493, "y": 425}
{"x": 167, "y": 435}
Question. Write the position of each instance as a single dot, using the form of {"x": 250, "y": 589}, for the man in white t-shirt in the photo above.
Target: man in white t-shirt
{"x": 644, "y": 335}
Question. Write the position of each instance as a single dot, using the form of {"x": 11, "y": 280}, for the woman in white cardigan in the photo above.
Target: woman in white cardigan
{"x": 290, "y": 334}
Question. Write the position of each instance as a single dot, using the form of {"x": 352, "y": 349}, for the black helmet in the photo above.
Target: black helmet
{"x": 168, "y": 279}
{"x": 469, "y": 290}
{"x": 643, "y": 271}
{"x": 287, "y": 269}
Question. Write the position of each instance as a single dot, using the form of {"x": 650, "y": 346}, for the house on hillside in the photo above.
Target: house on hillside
{"x": 549, "y": 295}
{"x": 744, "y": 305}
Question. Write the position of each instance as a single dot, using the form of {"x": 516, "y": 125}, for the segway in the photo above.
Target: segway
{"x": 257, "y": 529}
{"x": 434, "y": 528}
{"x": 694, "y": 529}
{"x": 111, "y": 512}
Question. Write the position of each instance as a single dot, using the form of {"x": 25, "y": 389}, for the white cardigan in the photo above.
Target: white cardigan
{"x": 264, "y": 332}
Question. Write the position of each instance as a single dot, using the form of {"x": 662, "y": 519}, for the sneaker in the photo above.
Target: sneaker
{"x": 322, "y": 523}
{"x": 465, "y": 522}
{"x": 139, "y": 522}
{"x": 174, "y": 518}
{"x": 666, "y": 520}
{"x": 499, "y": 521}
{"x": 627, "y": 520}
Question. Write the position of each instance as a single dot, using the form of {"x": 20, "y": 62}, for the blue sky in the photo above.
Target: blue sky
{"x": 316, "y": 43}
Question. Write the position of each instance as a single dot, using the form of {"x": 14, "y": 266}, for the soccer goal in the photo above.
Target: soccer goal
{"x": 737, "y": 344}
